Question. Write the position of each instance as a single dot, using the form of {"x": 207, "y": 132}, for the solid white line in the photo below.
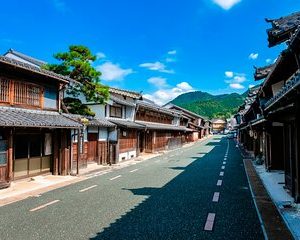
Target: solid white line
{"x": 219, "y": 183}
{"x": 209, "y": 222}
{"x": 115, "y": 177}
{"x": 216, "y": 197}
{"x": 134, "y": 170}
{"x": 223, "y": 167}
{"x": 43, "y": 206}
{"x": 221, "y": 174}
{"x": 88, "y": 188}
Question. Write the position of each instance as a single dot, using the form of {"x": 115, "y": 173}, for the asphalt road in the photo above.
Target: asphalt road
{"x": 168, "y": 197}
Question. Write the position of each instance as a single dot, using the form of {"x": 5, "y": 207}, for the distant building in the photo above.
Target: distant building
{"x": 218, "y": 125}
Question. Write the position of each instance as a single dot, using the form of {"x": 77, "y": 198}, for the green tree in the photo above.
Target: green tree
{"x": 77, "y": 64}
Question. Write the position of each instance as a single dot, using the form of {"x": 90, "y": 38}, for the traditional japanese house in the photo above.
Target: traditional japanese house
{"x": 94, "y": 145}
{"x": 162, "y": 127}
{"x": 218, "y": 125}
{"x": 279, "y": 103}
{"x": 120, "y": 110}
{"x": 30, "y": 122}
{"x": 194, "y": 122}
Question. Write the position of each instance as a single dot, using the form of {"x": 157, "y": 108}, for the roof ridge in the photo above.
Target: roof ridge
{"x": 27, "y": 57}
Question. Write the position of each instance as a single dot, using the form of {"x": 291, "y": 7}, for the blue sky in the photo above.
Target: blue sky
{"x": 160, "y": 47}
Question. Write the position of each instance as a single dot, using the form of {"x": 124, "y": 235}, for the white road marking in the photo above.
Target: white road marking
{"x": 219, "y": 183}
{"x": 88, "y": 188}
{"x": 223, "y": 167}
{"x": 221, "y": 174}
{"x": 134, "y": 170}
{"x": 43, "y": 206}
{"x": 224, "y": 162}
{"x": 216, "y": 197}
{"x": 115, "y": 177}
{"x": 209, "y": 222}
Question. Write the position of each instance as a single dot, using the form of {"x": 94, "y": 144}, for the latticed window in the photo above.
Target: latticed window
{"x": 4, "y": 90}
{"x": 20, "y": 93}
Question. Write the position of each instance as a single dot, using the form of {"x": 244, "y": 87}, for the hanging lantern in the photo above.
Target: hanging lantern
{"x": 251, "y": 133}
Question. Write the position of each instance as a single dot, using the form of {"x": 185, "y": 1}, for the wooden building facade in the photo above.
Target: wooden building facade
{"x": 270, "y": 121}
{"x": 30, "y": 122}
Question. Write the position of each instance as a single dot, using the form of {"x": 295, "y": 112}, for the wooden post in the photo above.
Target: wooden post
{"x": 78, "y": 149}
{"x": 297, "y": 149}
{"x": 10, "y": 156}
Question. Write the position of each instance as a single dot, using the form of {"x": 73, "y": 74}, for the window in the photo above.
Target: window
{"x": 115, "y": 111}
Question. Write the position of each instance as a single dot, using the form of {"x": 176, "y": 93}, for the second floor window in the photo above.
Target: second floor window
{"x": 20, "y": 93}
{"x": 115, "y": 111}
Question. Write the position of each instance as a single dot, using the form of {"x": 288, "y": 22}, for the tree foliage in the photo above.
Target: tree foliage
{"x": 77, "y": 64}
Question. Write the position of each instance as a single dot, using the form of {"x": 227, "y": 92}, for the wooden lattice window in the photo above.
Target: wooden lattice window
{"x": 27, "y": 94}
{"x": 4, "y": 90}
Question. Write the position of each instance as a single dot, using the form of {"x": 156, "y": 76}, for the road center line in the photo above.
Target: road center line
{"x": 209, "y": 222}
{"x": 219, "y": 183}
{"x": 216, "y": 197}
{"x": 115, "y": 177}
{"x": 43, "y": 206}
{"x": 221, "y": 174}
{"x": 223, "y": 167}
{"x": 88, "y": 188}
{"x": 134, "y": 170}
{"x": 224, "y": 162}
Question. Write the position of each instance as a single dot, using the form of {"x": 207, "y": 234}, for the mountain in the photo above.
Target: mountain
{"x": 211, "y": 106}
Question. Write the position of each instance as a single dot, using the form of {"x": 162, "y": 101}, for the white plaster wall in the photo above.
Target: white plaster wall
{"x": 103, "y": 134}
{"x": 113, "y": 135}
{"x": 98, "y": 109}
{"x": 127, "y": 155}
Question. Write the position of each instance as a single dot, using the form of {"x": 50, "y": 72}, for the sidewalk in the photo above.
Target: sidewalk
{"x": 290, "y": 211}
{"x": 33, "y": 187}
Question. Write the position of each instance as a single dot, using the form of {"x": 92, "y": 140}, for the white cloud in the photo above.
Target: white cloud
{"x": 235, "y": 80}
{"x": 229, "y": 74}
{"x": 236, "y": 86}
{"x": 100, "y": 55}
{"x": 169, "y": 59}
{"x": 159, "y": 82}
{"x": 268, "y": 60}
{"x": 163, "y": 96}
{"x": 226, "y": 4}
{"x": 172, "y": 52}
{"x": 253, "y": 56}
{"x": 239, "y": 78}
{"x": 251, "y": 85}
{"x": 156, "y": 66}
{"x": 113, "y": 72}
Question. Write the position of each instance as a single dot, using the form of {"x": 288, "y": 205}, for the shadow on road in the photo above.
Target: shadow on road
{"x": 178, "y": 210}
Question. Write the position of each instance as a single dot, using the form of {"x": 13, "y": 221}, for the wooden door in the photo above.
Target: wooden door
{"x": 92, "y": 146}
{"x": 148, "y": 142}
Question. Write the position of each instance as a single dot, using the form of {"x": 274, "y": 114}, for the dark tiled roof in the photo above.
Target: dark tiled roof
{"x": 31, "y": 68}
{"x": 185, "y": 110}
{"x": 122, "y": 101}
{"x": 160, "y": 126}
{"x": 126, "y": 93}
{"x": 282, "y": 28}
{"x": 262, "y": 72}
{"x": 16, "y": 117}
{"x": 157, "y": 108}
{"x": 26, "y": 58}
{"x": 126, "y": 123}
{"x": 92, "y": 121}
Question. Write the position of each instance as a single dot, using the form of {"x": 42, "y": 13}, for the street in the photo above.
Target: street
{"x": 197, "y": 192}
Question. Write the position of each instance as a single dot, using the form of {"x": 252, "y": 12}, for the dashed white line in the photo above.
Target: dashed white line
{"x": 209, "y": 222}
{"x": 43, "y": 206}
{"x": 221, "y": 174}
{"x": 224, "y": 162}
{"x": 216, "y": 197}
{"x": 223, "y": 167}
{"x": 219, "y": 182}
{"x": 115, "y": 177}
{"x": 134, "y": 170}
{"x": 88, "y": 188}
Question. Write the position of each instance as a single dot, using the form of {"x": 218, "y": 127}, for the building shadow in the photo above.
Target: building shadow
{"x": 179, "y": 209}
